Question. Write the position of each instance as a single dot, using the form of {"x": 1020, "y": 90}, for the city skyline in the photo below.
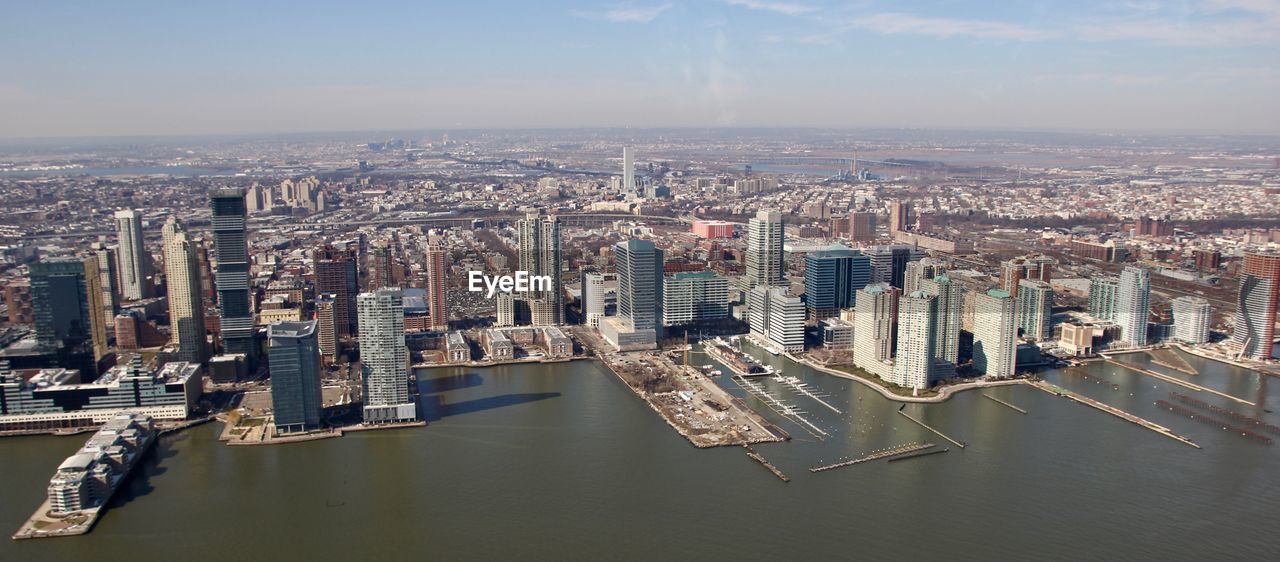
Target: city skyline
{"x": 191, "y": 70}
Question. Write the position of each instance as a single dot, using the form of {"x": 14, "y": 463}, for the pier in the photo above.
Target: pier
{"x": 1177, "y": 381}
{"x": 1234, "y": 415}
{"x": 779, "y": 407}
{"x": 926, "y": 426}
{"x": 753, "y": 455}
{"x": 1126, "y": 416}
{"x": 1019, "y": 410}
{"x": 918, "y": 454}
{"x": 1205, "y": 418}
{"x": 889, "y": 453}
{"x": 802, "y": 387}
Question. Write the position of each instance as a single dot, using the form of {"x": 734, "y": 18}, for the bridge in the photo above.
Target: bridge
{"x": 823, "y": 161}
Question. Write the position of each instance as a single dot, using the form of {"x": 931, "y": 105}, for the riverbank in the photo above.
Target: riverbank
{"x": 483, "y": 364}
{"x": 944, "y": 393}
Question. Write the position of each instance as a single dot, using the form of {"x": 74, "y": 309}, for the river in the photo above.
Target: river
{"x": 562, "y": 461}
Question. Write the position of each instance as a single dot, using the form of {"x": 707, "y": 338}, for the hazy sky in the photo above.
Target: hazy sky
{"x": 134, "y": 67}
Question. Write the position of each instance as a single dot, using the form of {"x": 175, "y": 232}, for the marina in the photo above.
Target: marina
{"x": 806, "y": 389}
{"x": 779, "y": 407}
{"x": 740, "y": 363}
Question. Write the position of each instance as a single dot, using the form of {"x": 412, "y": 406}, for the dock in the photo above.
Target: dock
{"x": 753, "y": 455}
{"x": 926, "y": 426}
{"x": 802, "y": 387}
{"x": 1169, "y": 359}
{"x": 1126, "y": 416}
{"x": 778, "y": 406}
{"x": 889, "y": 453}
{"x": 1177, "y": 381}
{"x": 1017, "y": 409}
{"x": 918, "y": 454}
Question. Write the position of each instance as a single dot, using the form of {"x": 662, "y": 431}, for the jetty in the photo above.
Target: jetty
{"x": 889, "y": 453}
{"x": 753, "y": 455}
{"x": 1177, "y": 381}
{"x": 1017, "y": 409}
{"x": 1126, "y": 416}
{"x": 960, "y": 444}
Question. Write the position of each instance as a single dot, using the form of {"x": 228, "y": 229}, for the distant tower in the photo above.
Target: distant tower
{"x": 899, "y": 216}
{"x": 132, "y": 255}
{"x": 384, "y": 358}
{"x": 628, "y": 170}
{"x": 336, "y": 274}
{"x": 107, "y": 278}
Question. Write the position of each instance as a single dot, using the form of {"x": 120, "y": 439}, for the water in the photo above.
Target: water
{"x": 126, "y": 171}
{"x": 562, "y": 461}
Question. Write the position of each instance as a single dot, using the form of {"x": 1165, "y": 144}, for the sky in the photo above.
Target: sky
{"x": 71, "y": 68}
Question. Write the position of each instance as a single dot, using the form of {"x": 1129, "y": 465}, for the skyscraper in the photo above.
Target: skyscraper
{"x": 186, "y": 307}
{"x": 380, "y": 265}
{"x": 995, "y": 334}
{"x": 106, "y": 256}
{"x": 889, "y": 263}
{"x": 327, "y": 327}
{"x": 758, "y": 312}
{"x": 692, "y": 296}
{"x": 132, "y": 253}
{"x": 949, "y": 307}
{"x": 786, "y": 321}
{"x": 638, "y": 324}
{"x": 293, "y": 354}
{"x": 1133, "y": 305}
{"x": 1035, "y": 309}
{"x": 1255, "y": 319}
{"x": 336, "y": 274}
{"x": 231, "y": 251}
{"x": 832, "y": 278}
{"x": 1191, "y": 319}
{"x": 1037, "y": 268}
{"x": 913, "y": 366}
{"x": 506, "y": 303}
{"x": 592, "y": 298}
{"x": 437, "y": 286}
{"x": 66, "y": 303}
{"x": 874, "y": 325}
{"x": 628, "y": 170}
{"x": 916, "y": 271}
{"x": 1103, "y": 293}
{"x": 540, "y": 256}
{"x": 384, "y": 358}
{"x": 764, "y": 249}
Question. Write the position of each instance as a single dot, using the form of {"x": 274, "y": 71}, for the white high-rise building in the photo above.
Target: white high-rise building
{"x": 995, "y": 333}
{"x": 920, "y": 270}
{"x": 384, "y": 358}
{"x": 913, "y": 365}
{"x": 786, "y": 321}
{"x": 875, "y": 318}
{"x": 593, "y": 307}
{"x": 758, "y": 312}
{"x": 1191, "y": 319}
{"x": 506, "y": 309}
{"x": 764, "y": 249}
{"x": 1133, "y": 305}
{"x": 692, "y": 296}
{"x": 132, "y": 254}
{"x": 540, "y": 256}
{"x": 950, "y": 308}
{"x": 628, "y": 170}
{"x": 1035, "y": 309}
{"x": 186, "y": 307}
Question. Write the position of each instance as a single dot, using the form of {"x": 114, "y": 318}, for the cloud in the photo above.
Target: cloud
{"x": 626, "y": 13}
{"x": 894, "y": 23}
{"x": 788, "y": 8}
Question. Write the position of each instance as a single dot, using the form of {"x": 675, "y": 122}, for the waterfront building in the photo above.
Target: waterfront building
{"x": 786, "y": 321}
{"x": 336, "y": 274}
{"x": 913, "y": 364}
{"x": 437, "y": 287}
{"x": 539, "y": 254}
{"x": 949, "y": 307}
{"x": 182, "y": 280}
{"x": 836, "y": 334}
{"x": 1035, "y": 309}
{"x": 59, "y": 398}
{"x": 764, "y": 264}
{"x": 232, "y": 278}
{"x": 874, "y": 326}
{"x": 293, "y": 353}
{"x": 1255, "y": 318}
{"x": 995, "y": 334}
{"x": 689, "y": 297}
{"x": 384, "y": 358}
{"x": 1103, "y": 295}
{"x": 832, "y": 278}
{"x": 87, "y": 478}
{"x": 134, "y": 267}
{"x": 592, "y": 300}
{"x": 638, "y": 324}
{"x": 1133, "y": 305}
{"x": 1191, "y": 319}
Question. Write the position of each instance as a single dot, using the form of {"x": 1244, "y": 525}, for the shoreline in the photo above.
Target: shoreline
{"x": 944, "y": 393}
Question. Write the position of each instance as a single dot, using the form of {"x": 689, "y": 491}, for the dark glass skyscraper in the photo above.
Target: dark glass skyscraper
{"x": 832, "y": 278}
{"x": 232, "y": 278}
{"x": 293, "y": 353}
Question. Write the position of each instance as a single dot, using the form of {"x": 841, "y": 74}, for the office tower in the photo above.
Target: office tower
{"x": 384, "y": 358}
{"x": 949, "y": 305}
{"x": 899, "y": 216}
{"x": 1103, "y": 292}
{"x": 913, "y": 365}
{"x": 786, "y": 321}
{"x": 592, "y": 298}
{"x": 293, "y": 353}
{"x": 186, "y": 307}
{"x": 1191, "y": 319}
{"x": 380, "y": 264}
{"x": 1035, "y": 309}
{"x": 995, "y": 334}
{"x": 1133, "y": 305}
{"x": 336, "y": 274}
{"x": 506, "y": 310}
{"x": 66, "y": 305}
{"x": 327, "y": 326}
{"x": 628, "y": 170}
{"x": 889, "y": 263}
{"x": 540, "y": 256}
{"x": 437, "y": 286}
{"x": 639, "y": 265}
{"x": 916, "y": 271}
{"x": 832, "y": 278}
{"x": 134, "y": 265}
{"x": 1255, "y": 319}
{"x": 764, "y": 249}
{"x": 862, "y": 226}
{"x": 231, "y": 251}
{"x": 693, "y": 296}
{"x": 107, "y": 277}
{"x": 1036, "y": 268}
{"x": 874, "y": 325}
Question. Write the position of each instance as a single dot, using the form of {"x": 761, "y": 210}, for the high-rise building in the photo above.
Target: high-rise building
{"x": 231, "y": 251}
{"x": 381, "y": 261}
{"x": 437, "y": 286}
{"x": 293, "y": 353}
{"x": 913, "y": 365}
{"x": 786, "y": 321}
{"x": 949, "y": 305}
{"x": 995, "y": 334}
{"x": 862, "y": 226}
{"x": 1103, "y": 293}
{"x": 693, "y": 296}
{"x": 758, "y": 312}
{"x": 764, "y": 249}
{"x": 899, "y": 216}
{"x": 384, "y": 358}
{"x": 134, "y": 266}
{"x": 1133, "y": 305}
{"x": 832, "y": 278}
{"x": 1035, "y": 309}
{"x": 327, "y": 327}
{"x": 628, "y": 170}
{"x": 889, "y": 263}
{"x": 540, "y": 256}
{"x": 66, "y": 303}
{"x": 638, "y": 324}
{"x": 592, "y": 298}
{"x": 874, "y": 326}
{"x": 1191, "y": 319}
{"x": 336, "y": 274}
{"x": 1255, "y": 318}
{"x": 1036, "y": 268}
{"x": 107, "y": 277}
{"x": 506, "y": 303}
{"x": 186, "y": 307}
{"x": 916, "y": 271}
